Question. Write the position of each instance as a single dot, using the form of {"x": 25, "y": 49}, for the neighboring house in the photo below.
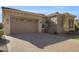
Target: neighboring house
{"x": 17, "y": 21}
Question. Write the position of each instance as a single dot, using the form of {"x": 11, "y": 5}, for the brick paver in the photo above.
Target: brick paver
{"x": 40, "y": 42}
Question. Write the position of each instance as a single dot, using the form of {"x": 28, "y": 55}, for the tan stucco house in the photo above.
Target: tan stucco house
{"x": 17, "y": 21}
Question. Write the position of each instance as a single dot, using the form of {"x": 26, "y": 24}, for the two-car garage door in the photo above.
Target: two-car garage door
{"x": 24, "y": 25}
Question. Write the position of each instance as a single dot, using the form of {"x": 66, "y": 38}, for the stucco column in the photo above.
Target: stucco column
{"x": 40, "y": 25}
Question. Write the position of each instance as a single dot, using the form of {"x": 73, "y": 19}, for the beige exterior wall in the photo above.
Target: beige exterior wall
{"x": 22, "y": 22}
{"x": 40, "y": 24}
{"x": 60, "y": 23}
{"x": 53, "y": 25}
{"x": 6, "y": 21}
{"x": 56, "y": 24}
{"x": 66, "y": 23}
{"x": 16, "y": 21}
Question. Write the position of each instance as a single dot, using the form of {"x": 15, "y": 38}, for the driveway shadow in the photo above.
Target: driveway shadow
{"x": 3, "y": 45}
{"x": 3, "y": 42}
{"x": 40, "y": 40}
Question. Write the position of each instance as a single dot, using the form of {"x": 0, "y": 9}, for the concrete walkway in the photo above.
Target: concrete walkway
{"x": 40, "y": 42}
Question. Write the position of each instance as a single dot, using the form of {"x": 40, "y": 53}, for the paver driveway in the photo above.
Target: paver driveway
{"x": 40, "y": 42}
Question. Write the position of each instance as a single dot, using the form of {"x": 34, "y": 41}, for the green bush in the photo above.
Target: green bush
{"x": 1, "y": 32}
{"x": 1, "y": 25}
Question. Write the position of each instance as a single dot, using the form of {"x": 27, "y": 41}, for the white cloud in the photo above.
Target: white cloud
{"x": 0, "y": 11}
{"x": 40, "y": 2}
{"x": 74, "y": 12}
{"x": 0, "y": 15}
{"x": 0, "y": 20}
{"x": 39, "y": 11}
{"x": 59, "y": 7}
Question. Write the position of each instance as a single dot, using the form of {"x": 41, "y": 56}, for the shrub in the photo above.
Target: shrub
{"x": 1, "y": 25}
{"x": 55, "y": 32}
{"x": 1, "y": 32}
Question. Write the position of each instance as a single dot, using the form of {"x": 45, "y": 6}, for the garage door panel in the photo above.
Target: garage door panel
{"x": 24, "y": 26}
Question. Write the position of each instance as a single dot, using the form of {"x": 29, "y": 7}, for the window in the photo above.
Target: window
{"x": 29, "y": 20}
{"x": 71, "y": 22}
{"x": 22, "y": 19}
{"x": 36, "y": 20}
{"x": 17, "y": 19}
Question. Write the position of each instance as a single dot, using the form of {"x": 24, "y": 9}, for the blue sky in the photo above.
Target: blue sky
{"x": 46, "y": 9}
